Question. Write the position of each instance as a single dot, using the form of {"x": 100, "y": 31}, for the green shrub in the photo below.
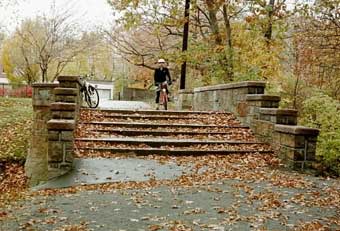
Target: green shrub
{"x": 253, "y": 74}
{"x": 323, "y": 112}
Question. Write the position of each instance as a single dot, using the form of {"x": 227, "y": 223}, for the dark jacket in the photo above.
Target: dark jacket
{"x": 161, "y": 75}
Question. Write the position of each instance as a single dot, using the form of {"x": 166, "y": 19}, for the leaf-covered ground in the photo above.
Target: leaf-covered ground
{"x": 15, "y": 130}
{"x": 234, "y": 192}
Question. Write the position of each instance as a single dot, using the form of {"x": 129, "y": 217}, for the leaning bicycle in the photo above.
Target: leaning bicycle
{"x": 90, "y": 93}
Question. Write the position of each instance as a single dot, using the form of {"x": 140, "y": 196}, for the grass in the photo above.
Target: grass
{"x": 15, "y": 128}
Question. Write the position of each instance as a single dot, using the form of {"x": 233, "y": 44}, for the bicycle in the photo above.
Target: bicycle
{"x": 90, "y": 93}
{"x": 163, "y": 95}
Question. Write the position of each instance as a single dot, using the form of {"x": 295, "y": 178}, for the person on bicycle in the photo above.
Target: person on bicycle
{"x": 161, "y": 75}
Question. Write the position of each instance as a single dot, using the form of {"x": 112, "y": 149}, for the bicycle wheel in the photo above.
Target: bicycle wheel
{"x": 164, "y": 100}
{"x": 165, "y": 104}
{"x": 92, "y": 97}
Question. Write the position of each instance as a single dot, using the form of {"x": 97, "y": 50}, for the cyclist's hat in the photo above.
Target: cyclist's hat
{"x": 161, "y": 61}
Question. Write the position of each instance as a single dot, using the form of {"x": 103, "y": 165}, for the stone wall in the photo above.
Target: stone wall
{"x": 295, "y": 144}
{"x": 136, "y": 94}
{"x": 55, "y": 113}
{"x": 185, "y": 98}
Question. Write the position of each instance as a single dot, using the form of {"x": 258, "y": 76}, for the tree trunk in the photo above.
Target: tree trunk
{"x": 185, "y": 42}
{"x": 230, "y": 60}
{"x": 214, "y": 22}
{"x": 44, "y": 74}
{"x": 269, "y": 30}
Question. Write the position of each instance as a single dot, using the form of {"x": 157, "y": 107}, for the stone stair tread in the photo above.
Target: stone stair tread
{"x": 165, "y": 141}
{"x": 146, "y": 132}
{"x": 126, "y": 111}
{"x": 162, "y": 151}
{"x": 142, "y": 116}
{"x": 160, "y": 125}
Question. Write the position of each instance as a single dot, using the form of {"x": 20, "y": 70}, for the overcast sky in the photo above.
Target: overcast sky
{"x": 89, "y": 13}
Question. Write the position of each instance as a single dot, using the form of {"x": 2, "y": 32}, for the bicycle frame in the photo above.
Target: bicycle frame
{"x": 163, "y": 96}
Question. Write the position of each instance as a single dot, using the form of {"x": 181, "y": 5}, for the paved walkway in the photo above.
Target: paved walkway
{"x": 98, "y": 171}
{"x": 114, "y": 104}
{"x": 223, "y": 205}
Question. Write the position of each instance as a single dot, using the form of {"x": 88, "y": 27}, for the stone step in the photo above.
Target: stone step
{"x": 134, "y": 132}
{"x": 156, "y": 142}
{"x": 168, "y": 122}
{"x": 96, "y": 152}
{"x": 168, "y": 144}
{"x": 231, "y": 136}
{"x": 155, "y": 125}
{"x": 196, "y": 121}
{"x": 89, "y": 128}
{"x": 152, "y": 117}
{"x": 157, "y": 112}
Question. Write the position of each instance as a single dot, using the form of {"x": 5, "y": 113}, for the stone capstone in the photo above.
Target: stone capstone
{"x": 60, "y": 124}
{"x": 62, "y": 106}
{"x": 66, "y": 91}
{"x": 298, "y": 130}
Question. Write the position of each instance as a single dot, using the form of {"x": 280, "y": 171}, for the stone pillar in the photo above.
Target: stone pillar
{"x": 64, "y": 111}
{"x": 36, "y": 166}
{"x": 185, "y": 100}
{"x": 297, "y": 145}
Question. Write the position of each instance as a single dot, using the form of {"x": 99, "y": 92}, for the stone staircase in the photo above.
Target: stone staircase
{"x": 104, "y": 133}
{"x": 63, "y": 131}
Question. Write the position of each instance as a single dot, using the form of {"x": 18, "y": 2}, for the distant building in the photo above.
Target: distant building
{"x": 9, "y": 90}
{"x": 2, "y": 72}
{"x": 105, "y": 88}
{"x": 3, "y": 78}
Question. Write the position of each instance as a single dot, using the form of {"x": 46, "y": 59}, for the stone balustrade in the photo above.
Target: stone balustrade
{"x": 296, "y": 145}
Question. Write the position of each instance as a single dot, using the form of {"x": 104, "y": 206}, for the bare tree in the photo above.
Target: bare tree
{"x": 54, "y": 40}
{"x": 319, "y": 47}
